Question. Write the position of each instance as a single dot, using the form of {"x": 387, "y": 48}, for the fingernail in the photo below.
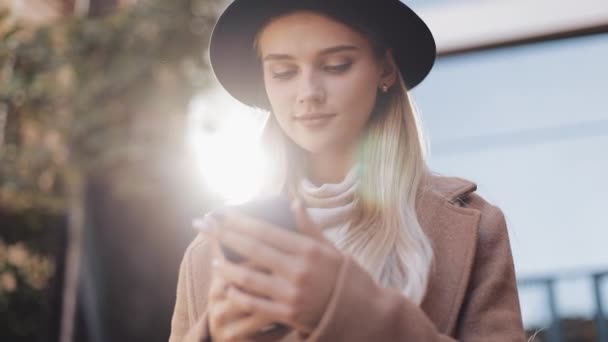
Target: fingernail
{"x": 203, "y": 224}
{"x": 198, "y": 223}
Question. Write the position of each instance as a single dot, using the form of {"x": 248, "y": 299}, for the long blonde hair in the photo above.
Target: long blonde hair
{"x": 385, "y": 236}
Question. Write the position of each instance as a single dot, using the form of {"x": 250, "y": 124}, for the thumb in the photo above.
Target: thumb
{"x": 303, "y": 221}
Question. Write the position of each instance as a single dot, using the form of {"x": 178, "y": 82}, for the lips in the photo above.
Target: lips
{"x": 313, "y": 116}
{"x": 314, "y": 120}
{"x": 310, "y": 116}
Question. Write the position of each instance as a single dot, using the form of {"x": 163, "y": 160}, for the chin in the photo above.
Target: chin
{"x": 320, "y": 141}
{"x": 314, "y": 146}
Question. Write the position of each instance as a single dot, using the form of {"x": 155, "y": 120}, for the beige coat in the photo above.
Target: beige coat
{"x": 472, "y": 293}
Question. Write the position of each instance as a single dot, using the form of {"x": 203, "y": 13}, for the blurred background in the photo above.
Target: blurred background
{"x": 114, "y": 136}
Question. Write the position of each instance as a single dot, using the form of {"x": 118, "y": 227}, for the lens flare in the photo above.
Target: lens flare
{"x": 224, "y": 138}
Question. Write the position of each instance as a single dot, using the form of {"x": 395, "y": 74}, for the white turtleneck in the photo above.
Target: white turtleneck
{"x": 331, "y": 205}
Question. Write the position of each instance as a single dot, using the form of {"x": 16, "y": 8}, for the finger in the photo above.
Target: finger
{"x": 292, "y": 192}
{"x": 272, "y": 235}
{"x": 254, "y": 266}
{"x": 305, "y": 224}
{"x": 206, "y": 225}
{"x": 217, "y": 250}
{"x": 260, "y": 254}
{"x": 217, "y": 288}
{"x": 246, "y": 327}
{"x": 273, "y": 310}
{"x": 225, "y": 312}
{"x": 255, "y": 282}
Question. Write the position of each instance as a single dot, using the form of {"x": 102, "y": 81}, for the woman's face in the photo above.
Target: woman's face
{"x": 322, "y": 79}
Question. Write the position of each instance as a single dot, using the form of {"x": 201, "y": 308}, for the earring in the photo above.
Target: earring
{"x": 384, "y": 88}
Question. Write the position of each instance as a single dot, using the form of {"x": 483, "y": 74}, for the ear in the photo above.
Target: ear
{"x": 388, "y": 68}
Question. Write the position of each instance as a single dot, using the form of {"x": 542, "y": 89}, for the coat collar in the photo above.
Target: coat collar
{"x": 451, "y": 188}
{"x": 453, "y": 230}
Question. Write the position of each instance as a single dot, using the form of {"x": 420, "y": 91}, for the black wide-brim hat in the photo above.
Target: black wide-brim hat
{"x": 238, "y": 68}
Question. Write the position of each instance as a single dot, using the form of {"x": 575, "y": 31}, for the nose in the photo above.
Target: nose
{"x": 311, "y": 89}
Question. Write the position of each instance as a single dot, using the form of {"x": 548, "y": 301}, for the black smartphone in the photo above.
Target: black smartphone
{"x": 275, "y": 210}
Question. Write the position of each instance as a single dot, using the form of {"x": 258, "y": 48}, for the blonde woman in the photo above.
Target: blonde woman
{"x": 386, "y": 250}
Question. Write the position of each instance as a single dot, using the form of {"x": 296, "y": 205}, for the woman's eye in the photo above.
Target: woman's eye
{"x": 338, "y": 68}
{"x": 283, "y": 74}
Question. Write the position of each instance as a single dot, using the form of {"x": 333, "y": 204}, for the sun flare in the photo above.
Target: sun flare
{"x": 224, "y": 138}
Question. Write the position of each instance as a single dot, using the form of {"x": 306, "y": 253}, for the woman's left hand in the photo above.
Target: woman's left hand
{"x": 303, "y": 268}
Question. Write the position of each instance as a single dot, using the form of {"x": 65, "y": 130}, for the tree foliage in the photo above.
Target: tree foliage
{"x": 81, "y": 97}
{"x": 86, "y": 94}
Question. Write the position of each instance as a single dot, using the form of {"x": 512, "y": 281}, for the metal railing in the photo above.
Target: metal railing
{"x": 555, "y": 331}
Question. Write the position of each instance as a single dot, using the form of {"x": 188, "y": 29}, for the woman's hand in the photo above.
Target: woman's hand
{"x": 303, "y": 268}
{"x": 227, "y": 321}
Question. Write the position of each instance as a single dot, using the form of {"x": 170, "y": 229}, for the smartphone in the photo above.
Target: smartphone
{"x": 275, "y": 210}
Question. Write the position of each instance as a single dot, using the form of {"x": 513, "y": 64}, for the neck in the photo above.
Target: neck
{"x": 329, "y": 167}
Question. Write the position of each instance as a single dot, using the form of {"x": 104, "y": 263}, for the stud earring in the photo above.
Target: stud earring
{"x": 384, "y": 88}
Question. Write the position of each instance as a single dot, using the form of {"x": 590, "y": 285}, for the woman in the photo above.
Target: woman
{"x": 386, "y": 251}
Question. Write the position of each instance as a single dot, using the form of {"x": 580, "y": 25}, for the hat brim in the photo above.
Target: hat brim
{"x": 237, "y": 67}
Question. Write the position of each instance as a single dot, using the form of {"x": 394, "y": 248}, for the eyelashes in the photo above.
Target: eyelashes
{"x": 339, "y": 68}
{"x": 283, "y": 75}
{"x": 332, "y": 69}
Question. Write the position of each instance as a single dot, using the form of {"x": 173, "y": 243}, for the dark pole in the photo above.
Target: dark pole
{"x": 600, "y": 321}
{"x": 555, "y": 333}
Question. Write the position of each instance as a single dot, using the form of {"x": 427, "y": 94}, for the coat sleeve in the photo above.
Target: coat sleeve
{"x": 361, "y": 310}
{"x": 185, "y": 325}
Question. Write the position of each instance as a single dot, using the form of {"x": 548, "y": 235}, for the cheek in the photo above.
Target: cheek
{"x": 281, "y": 98}
{"x": 356, "y": 95}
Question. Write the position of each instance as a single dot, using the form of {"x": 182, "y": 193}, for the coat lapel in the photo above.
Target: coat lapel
{"x": 453, "y": 232}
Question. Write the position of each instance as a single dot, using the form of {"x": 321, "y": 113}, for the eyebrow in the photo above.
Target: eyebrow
{"x": 330, "y": 50}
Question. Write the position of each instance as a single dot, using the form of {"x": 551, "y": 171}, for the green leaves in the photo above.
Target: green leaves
{"x": 76, "y": 93}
